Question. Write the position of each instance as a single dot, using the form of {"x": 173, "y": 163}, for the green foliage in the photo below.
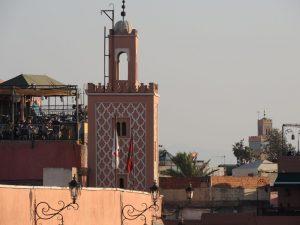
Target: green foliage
{"x": 277, "y": 145}
{"x": 187, "y": 166}
{"x": 243, "y": 154}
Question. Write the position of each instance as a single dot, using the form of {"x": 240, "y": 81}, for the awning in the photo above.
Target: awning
{"x": 287, "y": 179}
{"x": 36, "y": 85}
{"x": 27, "y": 80}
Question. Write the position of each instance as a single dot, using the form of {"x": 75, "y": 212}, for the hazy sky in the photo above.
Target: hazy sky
{"x": 217, "y": 62}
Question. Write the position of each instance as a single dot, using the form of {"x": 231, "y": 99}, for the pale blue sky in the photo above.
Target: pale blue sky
{"x": 217, "y": 62}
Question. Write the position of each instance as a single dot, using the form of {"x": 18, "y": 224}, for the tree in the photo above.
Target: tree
{"x": 186, "y": 164}
{"x": 277, "y": 146}
{"x": 243, "y": 154}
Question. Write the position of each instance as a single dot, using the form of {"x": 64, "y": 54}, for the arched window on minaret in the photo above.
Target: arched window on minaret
{"x": 119, "y": 128}
{"x": 124, "y": 129}
{"x": 123, "y": 66}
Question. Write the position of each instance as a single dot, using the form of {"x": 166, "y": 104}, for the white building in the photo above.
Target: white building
{"x": 258, "y": 168}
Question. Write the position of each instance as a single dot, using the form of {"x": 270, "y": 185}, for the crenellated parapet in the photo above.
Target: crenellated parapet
{"x": 122, "y": 86}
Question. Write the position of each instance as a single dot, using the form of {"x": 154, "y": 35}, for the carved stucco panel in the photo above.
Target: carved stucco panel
{"x": 105, "y": 112}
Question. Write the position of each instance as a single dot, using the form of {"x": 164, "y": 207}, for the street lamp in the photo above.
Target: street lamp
{"x": 43, "y": 211}
{"x": 74, "y": 188}
{"x": 129, "y": 212}
{"x": 260, "y": 181}
{"x": 154, "y": 190}
{"x": 181, "y": 222}
{"x": 189, "y": 192}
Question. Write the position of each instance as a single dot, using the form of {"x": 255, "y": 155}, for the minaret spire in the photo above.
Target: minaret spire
{"x": 123, "y": 13}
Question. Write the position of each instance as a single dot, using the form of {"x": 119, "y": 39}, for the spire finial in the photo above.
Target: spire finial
{"x": 123, "y": 13}
{"x": 264, "y": 113}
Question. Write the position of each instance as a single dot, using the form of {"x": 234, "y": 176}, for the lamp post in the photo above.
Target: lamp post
{"x": 43, "y": 211}
{"x": 129, "y": 212}
{"x": 189, "y": 191}
{"x": 259, "y": 181}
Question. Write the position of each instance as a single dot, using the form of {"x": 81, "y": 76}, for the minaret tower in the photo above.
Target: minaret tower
{"x": 129, "y": 106}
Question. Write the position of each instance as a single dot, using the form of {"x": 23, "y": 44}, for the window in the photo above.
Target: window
{"x": 122, "y": 125}
{"x": 123, "y": 66}
{"x": 121, "y": 129}
{"x": 121, "y": 183}
{"x": 122, "y": 180}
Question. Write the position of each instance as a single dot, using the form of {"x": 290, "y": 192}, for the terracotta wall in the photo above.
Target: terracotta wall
{"x": 22, "y": 160}
{"x": 239, "y": 219}
{"x": 289, "y": 197}
{"x": 182, "y": 182}
{"x": 213, "y": 181}
{"x": 241, "y": 182}
{"x": 186, "y": 222}
{"x": 247, "y": 219}
{"x": 214, "y": 191}
{"x": 289, "y": 164}
{"x": 96, "y": 206}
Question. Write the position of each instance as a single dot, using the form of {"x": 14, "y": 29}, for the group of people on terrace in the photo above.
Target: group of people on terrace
{"x": 40, "y": 125}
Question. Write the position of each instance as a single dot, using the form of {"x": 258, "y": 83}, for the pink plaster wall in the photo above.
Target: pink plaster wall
{"x": 96, "y": 206}
{"x": 20, "y": 160}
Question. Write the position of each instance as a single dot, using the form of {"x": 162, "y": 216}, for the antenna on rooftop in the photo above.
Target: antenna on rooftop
{"x": 110, "y": 13}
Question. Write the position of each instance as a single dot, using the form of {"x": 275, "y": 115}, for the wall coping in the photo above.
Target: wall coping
{"x": 66, "y": 188}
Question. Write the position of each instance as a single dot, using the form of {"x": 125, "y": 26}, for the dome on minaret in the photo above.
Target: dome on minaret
{"x": 122, "y": 27}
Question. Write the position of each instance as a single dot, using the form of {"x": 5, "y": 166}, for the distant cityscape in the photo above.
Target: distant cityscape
{"x": 67, "y": 160}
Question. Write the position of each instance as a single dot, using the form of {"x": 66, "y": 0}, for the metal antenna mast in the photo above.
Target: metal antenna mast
{"x": 110, "y": 13}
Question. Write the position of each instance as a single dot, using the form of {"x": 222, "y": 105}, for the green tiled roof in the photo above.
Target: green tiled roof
{"x": 26, "y": 80}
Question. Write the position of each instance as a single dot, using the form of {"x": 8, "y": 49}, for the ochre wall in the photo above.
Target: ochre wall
{"x": 20, "y": 160}
{"x": 96, "y": 206}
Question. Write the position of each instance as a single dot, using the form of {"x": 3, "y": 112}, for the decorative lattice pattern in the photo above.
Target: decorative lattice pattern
{"x": 105, "y": 112}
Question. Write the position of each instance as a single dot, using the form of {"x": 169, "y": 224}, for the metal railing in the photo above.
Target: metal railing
{"x": 42, "y": 131}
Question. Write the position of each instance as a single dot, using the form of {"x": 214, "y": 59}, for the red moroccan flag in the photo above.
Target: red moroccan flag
{"x": 129, "y": 165}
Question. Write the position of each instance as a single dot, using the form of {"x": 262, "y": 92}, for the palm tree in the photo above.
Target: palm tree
{"x": 186, "y": 164}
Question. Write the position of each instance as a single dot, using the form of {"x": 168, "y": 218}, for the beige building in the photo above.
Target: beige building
{"x": 258, "y": 168}
{"x": 264, "y": 126}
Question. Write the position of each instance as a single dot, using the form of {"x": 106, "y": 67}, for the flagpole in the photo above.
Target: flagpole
{"x": 115, "y": 137}
{"x": 133, "y": 172}
{"x": 133, "y": 183}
